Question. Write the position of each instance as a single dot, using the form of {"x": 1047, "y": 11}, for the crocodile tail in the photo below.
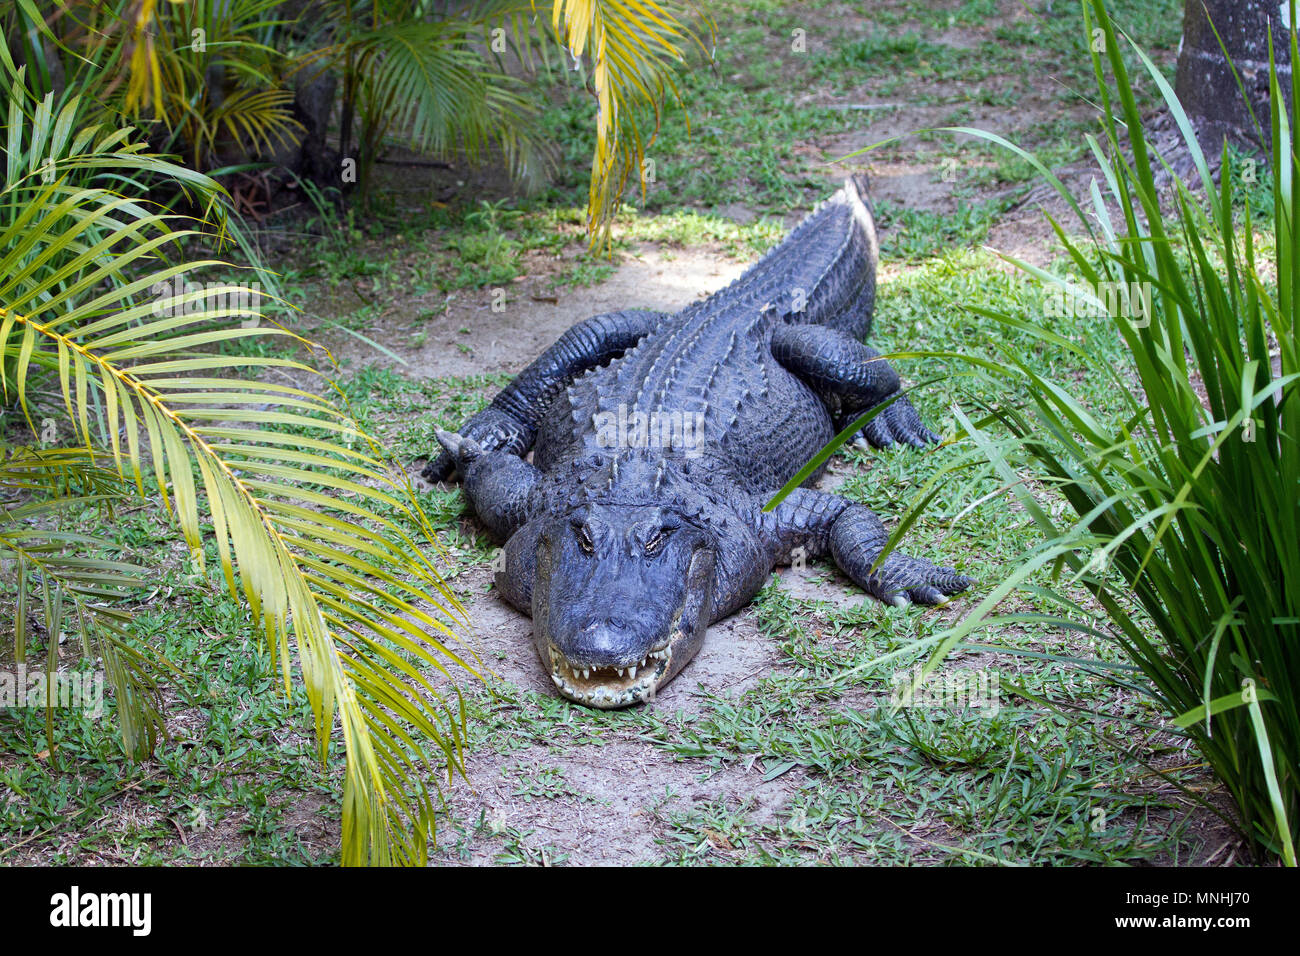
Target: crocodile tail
{"x": 857, "y": 190}
{"x": 856, "y": 316}
{"x": 859, "y": 185}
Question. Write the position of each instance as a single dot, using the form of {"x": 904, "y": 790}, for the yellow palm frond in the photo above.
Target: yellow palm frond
{"x": 312, "y": 527}
{"x": 34, "y": 543}
{"x": 262, "y": 119}
{"x": 633, "y": 46}
{"x": 145, "y": 84}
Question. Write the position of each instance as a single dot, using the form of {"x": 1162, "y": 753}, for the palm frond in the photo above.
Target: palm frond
{"x": 633, "y": 46}
{"x": 422, "y": 78}
{"x": 262, "y": 119}
{"x": 49, "y": 145}
{"x": 39, "y": 487}
{"x": 319, "y": 534}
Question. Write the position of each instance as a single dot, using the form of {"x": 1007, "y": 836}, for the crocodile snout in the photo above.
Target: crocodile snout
{"x": 620, "y": 604}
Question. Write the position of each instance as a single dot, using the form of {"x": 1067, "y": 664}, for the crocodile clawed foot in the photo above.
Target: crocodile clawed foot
{"x": 899, "y": 422}
{"x": 439, "y": 469}
{"x": 461, "y": 449}
{"x": 902, "y": 581}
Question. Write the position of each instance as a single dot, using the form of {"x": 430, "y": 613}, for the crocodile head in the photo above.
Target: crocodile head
{"x": 622, "y": 597}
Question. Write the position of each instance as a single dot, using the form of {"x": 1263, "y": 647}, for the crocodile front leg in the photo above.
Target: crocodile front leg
{"x": 515, "y": 576}
{"x": 850, "y": 378}
{"x": 510, "y": 422}
{"x": 823, "y": 523}
{"x": 499, "y": 485}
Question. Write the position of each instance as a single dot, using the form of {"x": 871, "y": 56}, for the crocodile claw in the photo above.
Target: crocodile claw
{"x": 936, "y": 586}
{"x": 439, "y": 469}
{"x": 900, "y": 423}
{"x": 904, "y": 580}
{"x": 461, "y": 449}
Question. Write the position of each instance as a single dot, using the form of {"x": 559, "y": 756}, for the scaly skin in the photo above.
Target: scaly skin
{"x": 656, "y": 441}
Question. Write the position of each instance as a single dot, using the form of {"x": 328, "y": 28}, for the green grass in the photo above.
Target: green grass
{"x": 865, "y": 784}
{"x": 1186, "y": 518}
{"x": 751, "y": 113}
{"x": 750, "y": 125}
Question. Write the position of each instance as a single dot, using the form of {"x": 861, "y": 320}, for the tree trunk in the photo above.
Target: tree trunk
{"x": 1205, "y": 83}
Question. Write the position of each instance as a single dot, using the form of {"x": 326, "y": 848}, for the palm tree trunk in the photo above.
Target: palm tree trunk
{"x": 1205, "y": 83}
{"x": 349, "y": 105}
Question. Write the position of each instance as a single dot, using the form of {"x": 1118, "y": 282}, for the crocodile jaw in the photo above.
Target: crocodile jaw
{"x": 608, "y": 688}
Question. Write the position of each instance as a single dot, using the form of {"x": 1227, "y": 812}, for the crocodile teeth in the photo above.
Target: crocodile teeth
{"x": 565, "y": 675}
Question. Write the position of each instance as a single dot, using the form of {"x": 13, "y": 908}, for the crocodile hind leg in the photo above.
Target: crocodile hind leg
{"x": 850, "y": 378}
{"x": 510, "y": 422}
{"x": 498, "y": 484}
{"x": 823, "y": 523}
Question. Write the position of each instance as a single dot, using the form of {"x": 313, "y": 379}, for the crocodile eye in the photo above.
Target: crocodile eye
{"x": 584, "y": 540}
{"x": 657, "y": 539}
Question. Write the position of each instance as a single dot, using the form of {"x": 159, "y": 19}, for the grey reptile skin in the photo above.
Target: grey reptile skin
{"x": 656, "y": 441}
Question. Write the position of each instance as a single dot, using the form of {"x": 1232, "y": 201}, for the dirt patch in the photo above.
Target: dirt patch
{"x": 502, "y": 329}
{"x": 615, "y": 799}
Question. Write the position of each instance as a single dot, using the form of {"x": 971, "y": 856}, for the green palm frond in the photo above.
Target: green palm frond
{"x": 319, "y": 534}
{"x": 421, "y": 77}
{"x": 220, "y": 85}
{"x": 427, "y": 80}
{"x": 195, "y": 71}
{"x": 633, "y": 46}
{"x": 40, "y": 551}
{"x": 432, "y": 78}
{"x": 262, "y": 119}
{"x": 48, "y": 144}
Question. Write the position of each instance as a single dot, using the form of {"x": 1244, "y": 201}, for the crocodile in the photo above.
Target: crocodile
{"x": 656, "y": 441}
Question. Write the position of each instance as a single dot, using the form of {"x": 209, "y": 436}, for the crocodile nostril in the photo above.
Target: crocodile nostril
{"x": 618, "y": 623}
